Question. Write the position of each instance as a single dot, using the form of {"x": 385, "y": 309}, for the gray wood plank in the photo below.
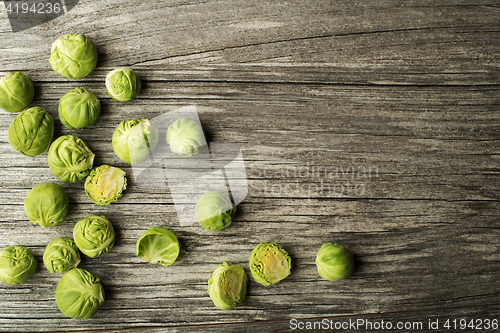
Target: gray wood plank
{"x": 354, "y": 36}
{"x": 422, "y": 321}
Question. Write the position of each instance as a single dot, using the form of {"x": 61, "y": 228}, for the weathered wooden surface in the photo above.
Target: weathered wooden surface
{"x": 309, "y": 90}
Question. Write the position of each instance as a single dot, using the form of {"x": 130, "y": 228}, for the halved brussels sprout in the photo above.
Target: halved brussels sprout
{"x": 186, "y": 138}
{"x": 158, "y": 245}
{"x": 227, "y": 286}
{"x": 134, "y": 140}
{"x": 17, "y": 265}
{"x": 269, "y": 263}
{"x": 79, "y": 108}
{"x": 334, "y": 262}
{"x": 61, "y": 255}
{"x": 70, "y": 158}
{"x": 73, "y": 56}
{"x": 123, "y": 84}
{"x": 16, "y": 92}
{"x": 105, "y": 184}
{"x": 31, "y": 132}
{"x": 94, "y": 235}
{"x": 46, "y": 205}
{"x": 215, "y": 211}
{"x": 79, "y": 294}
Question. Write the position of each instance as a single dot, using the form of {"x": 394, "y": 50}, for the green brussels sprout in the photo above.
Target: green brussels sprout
{"x": 16, "y": 92}
{"x": 158, "y": 245}
{"x": 79, "y": 294}
{"x": 227, "y": 286}
{"x": 185, "y": 137}
{"x": 46, "y": 205}
{"x": 79, "y": 108}
{"x": 94, "y": 235}
{"x": 73, "y": 56}
{"x": 61, "y": 255}
{"x": 70, "y": 158}
{"x": 17, "y": 264}
{"x": 105, "y": 184}
{"x": 134, "y": 140}
{"x": 269, "y": 263}
{"x": 123, "y": 84}
{"x": 215, "y": 211}
{"x": 31, "y": 132}
{"x": 334, "y": 262}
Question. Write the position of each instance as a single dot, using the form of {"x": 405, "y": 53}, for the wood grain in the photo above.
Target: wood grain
{"x": 403, "y": 93}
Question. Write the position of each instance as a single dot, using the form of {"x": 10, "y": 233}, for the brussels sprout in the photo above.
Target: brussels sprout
{"x": 16, "y": 92}
{"x": 158, "y": 245}
{"x": 79, "y": 108}
{"x": 94, "y": 235}
{"x": 105, "y": 184}
{"x": 61, "y": 255}
{"x": 185, "y": 137}
{"x": 70, "y": 158}
{"x": 215, "y": 211}
{"x": 334, "y": 262}
{"x": 31, "y": 132}
{"x": 123, "y": 84}
{"x": 46, "y": 205}
{"x": 73, "y": 56}
{"x": 134, "y": 140}
{"x": 269, "y": 263}
{"x": 17, "y": 264}
{"x": 227, "y": 286}
{"x": 79, "y": 294}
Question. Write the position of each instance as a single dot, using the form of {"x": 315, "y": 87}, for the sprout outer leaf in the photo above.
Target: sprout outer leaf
{"x": 158, "y": 245}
